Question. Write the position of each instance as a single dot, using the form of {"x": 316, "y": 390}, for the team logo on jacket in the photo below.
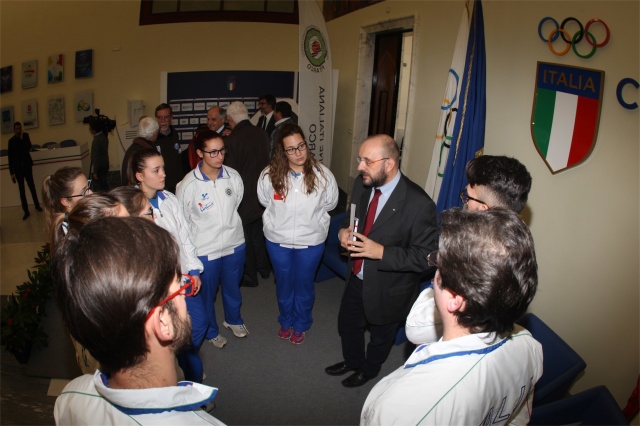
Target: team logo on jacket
{"x": 566, "y": 114}
{"x": 228, "y": 192}
{"x": 204, "y": 196}
{"x": 205, "y": 206}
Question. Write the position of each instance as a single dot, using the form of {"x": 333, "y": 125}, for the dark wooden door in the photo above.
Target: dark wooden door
{"x": 386, "y": 77}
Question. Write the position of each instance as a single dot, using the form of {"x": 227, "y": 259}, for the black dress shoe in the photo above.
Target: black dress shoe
{"x": 26, "y": 216}
{"x": 39, "y": 208}
{"x": 265, "y": 275}
{"x": 355, "y": 380}
{"x": 246, "y": 283}
{"x": 209, "y": 407}
{"x": 338, "y": 369}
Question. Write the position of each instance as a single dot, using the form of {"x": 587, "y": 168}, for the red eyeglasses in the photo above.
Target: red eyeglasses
{"x": 187, "y": 288}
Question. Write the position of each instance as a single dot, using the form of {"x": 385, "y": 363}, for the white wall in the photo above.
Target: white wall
{"x": 585, "y": 221}
{"x": 128, "y": 58}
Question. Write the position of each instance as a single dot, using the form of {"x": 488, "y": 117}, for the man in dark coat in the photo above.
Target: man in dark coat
{"x": 147, "y": 135}
{"x": 169, "y": 143}
{"x": 248, "y": 153}
{"x": 20, "y": 164}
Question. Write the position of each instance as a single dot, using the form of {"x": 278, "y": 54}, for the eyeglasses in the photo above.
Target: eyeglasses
{"x": 83, "y": 192}
{"x": 432, "y": 259}
{"x": 187, "y": 289}
{"x": 214, "y": 152}
{"x": 368, "y": 162}
{"x": 148, "y": 212}
{"x": 464, "y": 197}
{"x": 300, "y": 148}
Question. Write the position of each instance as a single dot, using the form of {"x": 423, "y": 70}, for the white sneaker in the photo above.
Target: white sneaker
{"x": 219, "y": 341}
{"x": 238, "y": 330}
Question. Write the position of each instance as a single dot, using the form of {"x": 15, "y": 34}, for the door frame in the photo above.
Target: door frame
{"x": 364, "y": 85}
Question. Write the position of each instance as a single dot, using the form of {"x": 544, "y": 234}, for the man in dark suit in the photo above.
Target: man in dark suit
{"x": 20, "y": 164}
{"x": 169, "y": 143}
{"x": 393, "y": 247}
{"x": 248, "y": 153}
{"x": 267, "y": 105}
{"x": 217, "y": 121}
{"x": 282, "y": 113}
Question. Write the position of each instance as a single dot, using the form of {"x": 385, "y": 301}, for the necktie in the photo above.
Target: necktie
{"x": 368, "y": 224}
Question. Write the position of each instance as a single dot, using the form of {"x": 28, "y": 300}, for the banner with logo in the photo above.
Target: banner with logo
{"x": 449, "y": 107}
{"x": 315, "y": 111}
{"x": 566, "y": 114}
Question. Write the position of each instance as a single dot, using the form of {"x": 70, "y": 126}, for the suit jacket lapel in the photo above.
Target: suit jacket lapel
{"x": 362, "y": 208}
{"x": 393, "y": 205}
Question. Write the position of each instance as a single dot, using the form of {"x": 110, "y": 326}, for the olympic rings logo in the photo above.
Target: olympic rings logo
{"x": 583, "y": 32}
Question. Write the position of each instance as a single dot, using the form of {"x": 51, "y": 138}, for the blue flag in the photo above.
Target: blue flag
{"x": 467, "y": 139}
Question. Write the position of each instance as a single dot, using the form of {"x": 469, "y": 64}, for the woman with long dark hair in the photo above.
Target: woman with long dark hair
{"x": 298, "y": 192}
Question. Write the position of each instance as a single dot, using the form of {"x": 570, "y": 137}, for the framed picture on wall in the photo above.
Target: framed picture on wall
{"x": 6, "y": 79}
{"x": 29, "y": 74}
{"x": 55, "y": 68}
{"x": 84, "y": 63}
{"x": 6, "y": 119}
{"x": 55, "y": 110}
{"x": 83, "y": 104}
{"x": 30, "y": 114}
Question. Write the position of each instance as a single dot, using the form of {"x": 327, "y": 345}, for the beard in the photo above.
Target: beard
{"x": 376, "y": 180}
{"x": 182, "y": 330}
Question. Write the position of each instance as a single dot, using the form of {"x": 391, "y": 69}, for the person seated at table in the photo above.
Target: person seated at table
{"x": 485, "y": 367}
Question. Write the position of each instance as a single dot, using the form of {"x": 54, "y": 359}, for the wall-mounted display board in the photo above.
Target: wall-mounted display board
{"x": 192, "y": 94}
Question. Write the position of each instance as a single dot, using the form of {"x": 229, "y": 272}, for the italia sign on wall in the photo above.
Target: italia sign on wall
{"x": 566, "y": 114}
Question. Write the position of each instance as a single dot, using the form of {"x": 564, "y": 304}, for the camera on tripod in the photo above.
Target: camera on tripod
{"x": 99, "y": 122}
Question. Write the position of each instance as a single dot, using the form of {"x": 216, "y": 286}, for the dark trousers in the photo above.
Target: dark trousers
{"x": 21, "y": 176}
{"x": 257, "y": 258}
{"x": 352, "y": 324}
{"x": 101, "y": 184}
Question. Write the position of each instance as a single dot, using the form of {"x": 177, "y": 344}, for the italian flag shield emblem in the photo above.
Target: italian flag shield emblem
{"x": 566, "y": 113}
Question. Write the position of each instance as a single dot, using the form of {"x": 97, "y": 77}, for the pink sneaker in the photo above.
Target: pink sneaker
{"x": 284, "y": 333}
{"x": 297, "y": 337}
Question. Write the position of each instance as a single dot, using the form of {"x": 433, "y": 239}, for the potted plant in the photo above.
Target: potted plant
{"x": 21, "y": 315}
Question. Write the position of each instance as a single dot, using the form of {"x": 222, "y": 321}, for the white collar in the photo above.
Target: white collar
{"x": 187, "y": 396}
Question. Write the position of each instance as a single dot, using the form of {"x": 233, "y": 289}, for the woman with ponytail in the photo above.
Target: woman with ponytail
{"x": 147, "y": 169}
{"x": 60, "y": 192}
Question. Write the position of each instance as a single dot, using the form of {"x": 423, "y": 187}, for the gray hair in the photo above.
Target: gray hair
{"x": 238, "y": 112}
{"x": 221, "y": 111}
{"x": 147, "y": 127}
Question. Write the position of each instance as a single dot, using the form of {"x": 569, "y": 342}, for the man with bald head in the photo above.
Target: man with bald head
{"x": 388, "y": 252}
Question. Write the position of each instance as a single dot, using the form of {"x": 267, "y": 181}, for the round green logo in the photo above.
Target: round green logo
{"x": 315, "y": 48}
